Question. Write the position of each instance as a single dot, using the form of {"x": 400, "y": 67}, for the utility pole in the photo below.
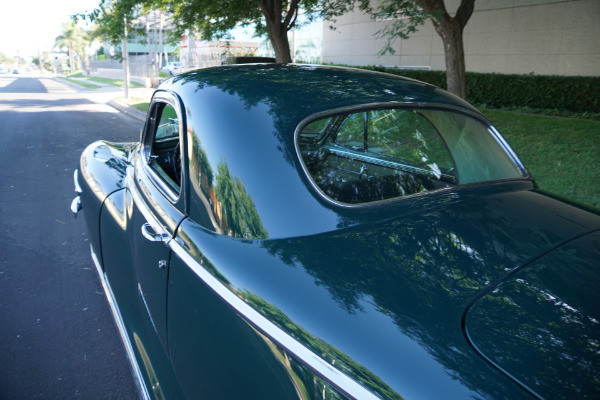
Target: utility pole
{"x": 126, "y": 60}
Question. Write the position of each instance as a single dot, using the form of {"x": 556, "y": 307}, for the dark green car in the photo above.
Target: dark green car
{"x": 304, "y": 232}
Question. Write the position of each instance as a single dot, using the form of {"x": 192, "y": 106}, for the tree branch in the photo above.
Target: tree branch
{"x": 291, "y": 13}
{"x": 464, "y": 12}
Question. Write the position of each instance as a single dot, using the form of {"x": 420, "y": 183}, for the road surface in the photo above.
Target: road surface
{"x": 57, "y": 336}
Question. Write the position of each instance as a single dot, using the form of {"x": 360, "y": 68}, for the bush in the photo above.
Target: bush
{"x": 578, "y": 94}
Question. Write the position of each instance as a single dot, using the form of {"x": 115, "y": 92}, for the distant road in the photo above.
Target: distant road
{"x": 57, "y": 336}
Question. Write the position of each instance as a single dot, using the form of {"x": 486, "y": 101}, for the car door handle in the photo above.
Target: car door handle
{"x": 149, "y": 233}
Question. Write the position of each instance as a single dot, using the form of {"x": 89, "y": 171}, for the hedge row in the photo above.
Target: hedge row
{"x": 579, "y": 94}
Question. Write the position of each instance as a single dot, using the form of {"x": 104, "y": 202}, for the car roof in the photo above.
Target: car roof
{"x": 301, "y": 90}
{"x": 246, "y": 116}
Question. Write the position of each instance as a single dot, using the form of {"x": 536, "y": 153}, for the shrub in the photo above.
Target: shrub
{"x": 578, "y": 94}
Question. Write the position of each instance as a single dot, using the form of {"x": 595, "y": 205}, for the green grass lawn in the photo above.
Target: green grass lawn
{"x": 138, "y": 103}
{"x": 82, "y": 83}
{"x": 562, "y": 154}
{"x": 115, "y": 82}
{"x": 81, "y": 80}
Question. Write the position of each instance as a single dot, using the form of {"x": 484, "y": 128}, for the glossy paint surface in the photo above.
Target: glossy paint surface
{"x": 103, "y": 168}
{"x": 543, "y": 324}
{"x": 241, "y": 126}
{"x": 268, "y": 290}
{"x": 386, "y": 300}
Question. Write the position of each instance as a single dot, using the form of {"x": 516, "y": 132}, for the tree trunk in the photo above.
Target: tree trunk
{"x": 277, "y": 29}
{"x": 454, "y": 54}
{"x": 71, "y": 59}
{"x": 281, "y": 46}
{"x": 451, "y": 31}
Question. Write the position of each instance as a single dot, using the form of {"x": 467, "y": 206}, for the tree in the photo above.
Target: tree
{"x": 409, "y": 14}
{"x": 6, "y": 59}
{"x": 406, "y": 16}
{"x": 214, "y": 19}
{"x": 75, "y": 39}
{"x": 451, "y": 30}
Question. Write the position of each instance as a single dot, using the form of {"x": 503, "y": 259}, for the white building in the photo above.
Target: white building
{"x": 544, "y": 37}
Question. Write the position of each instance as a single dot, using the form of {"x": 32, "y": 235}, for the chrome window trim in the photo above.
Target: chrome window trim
{"x": 406, "y": 105}
{"x": 342, "y": 382}
{"x": 137, "y": 372}
{"x": 144, "y": 151}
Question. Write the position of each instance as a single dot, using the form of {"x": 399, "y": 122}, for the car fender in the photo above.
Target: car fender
{"x": 102, "y": 171}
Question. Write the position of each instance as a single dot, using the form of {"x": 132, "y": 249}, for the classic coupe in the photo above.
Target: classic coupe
{"x": 315, "y": 232}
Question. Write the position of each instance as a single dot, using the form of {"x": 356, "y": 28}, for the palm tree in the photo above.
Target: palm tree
{"x": 75, "y": 39}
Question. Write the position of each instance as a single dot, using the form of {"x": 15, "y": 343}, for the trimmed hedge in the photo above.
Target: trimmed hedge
{"x": 578, "y": 94}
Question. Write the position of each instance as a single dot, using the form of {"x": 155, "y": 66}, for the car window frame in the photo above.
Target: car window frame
{"x": 333, "y": 113}
{"x": 148, "y": 135}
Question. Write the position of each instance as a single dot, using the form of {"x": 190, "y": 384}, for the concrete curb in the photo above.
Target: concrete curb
{"x": 127, "y": 109}
{"x": 119, "y": 106}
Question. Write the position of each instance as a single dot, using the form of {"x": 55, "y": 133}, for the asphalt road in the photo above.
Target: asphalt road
{"x": 57, "y": 336}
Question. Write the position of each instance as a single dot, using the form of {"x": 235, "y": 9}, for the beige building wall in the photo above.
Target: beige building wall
{"x": 544, "y": 37}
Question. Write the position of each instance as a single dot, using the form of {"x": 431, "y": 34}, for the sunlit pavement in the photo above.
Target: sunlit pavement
{"x": 104, "y": 94}
{"x": 58, "y": 339}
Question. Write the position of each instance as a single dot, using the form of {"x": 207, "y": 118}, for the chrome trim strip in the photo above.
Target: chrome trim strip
{"x": 137, "y": 373}
{"x": 328, "y": 372}
{"x": 366, "y": 157}
{"x": 76, "y": 205}
{"x": 170, "y": 98}
{"x": 506, "y": 147}
{"x": 76, "y": 181}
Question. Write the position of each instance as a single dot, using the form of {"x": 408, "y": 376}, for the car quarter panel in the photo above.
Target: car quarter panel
{"x": 535, "y": 325}
{"x": 383, "y": 303}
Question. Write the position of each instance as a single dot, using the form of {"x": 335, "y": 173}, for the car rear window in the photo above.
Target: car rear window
{"x": 374, "y": 155}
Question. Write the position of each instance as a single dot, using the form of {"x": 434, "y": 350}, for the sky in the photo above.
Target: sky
{"x": 27, "y": 26}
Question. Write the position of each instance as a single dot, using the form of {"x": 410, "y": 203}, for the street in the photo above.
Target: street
{"x": 57, "y": 336}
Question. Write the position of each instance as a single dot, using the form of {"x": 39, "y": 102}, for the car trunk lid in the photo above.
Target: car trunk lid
{"x": 541, "y": 325}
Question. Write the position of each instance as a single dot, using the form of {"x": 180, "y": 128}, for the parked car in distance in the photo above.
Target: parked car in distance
{"x": 314, "y": 232}
{"x": 172, "y": 68}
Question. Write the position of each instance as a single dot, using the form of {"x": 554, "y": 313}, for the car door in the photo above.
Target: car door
{"x": 135, "y": 229}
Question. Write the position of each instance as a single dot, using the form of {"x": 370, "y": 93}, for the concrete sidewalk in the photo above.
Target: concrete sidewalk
{"x": 113, "y": 96}
{"x": 121, "y": 105}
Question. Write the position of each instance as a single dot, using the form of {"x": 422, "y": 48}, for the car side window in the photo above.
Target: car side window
{"x": 380, "y": 154}
{"x": 375, "y": 155}
{"x": 165, "y": 148}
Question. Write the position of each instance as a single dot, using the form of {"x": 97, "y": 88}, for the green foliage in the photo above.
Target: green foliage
{"x": 112, "y": 81}
{"x": 83, "y": 83}
{"x": 560, "y": 153}
{"x": 578, "y": 94}
{"x": 75, "y": 39}
{"x": 215, "y": 19}
{"x": 404, "y": 19}
{"x": 6, "y": 59}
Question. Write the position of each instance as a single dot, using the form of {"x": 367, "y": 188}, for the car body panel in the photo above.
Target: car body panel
{"x": 536, "y": 326}
{"x": 434, "y": 264}
{"x": 103, "y": 167}
{"x": 249, "y": 282}
{"x": 264, "y": 123}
